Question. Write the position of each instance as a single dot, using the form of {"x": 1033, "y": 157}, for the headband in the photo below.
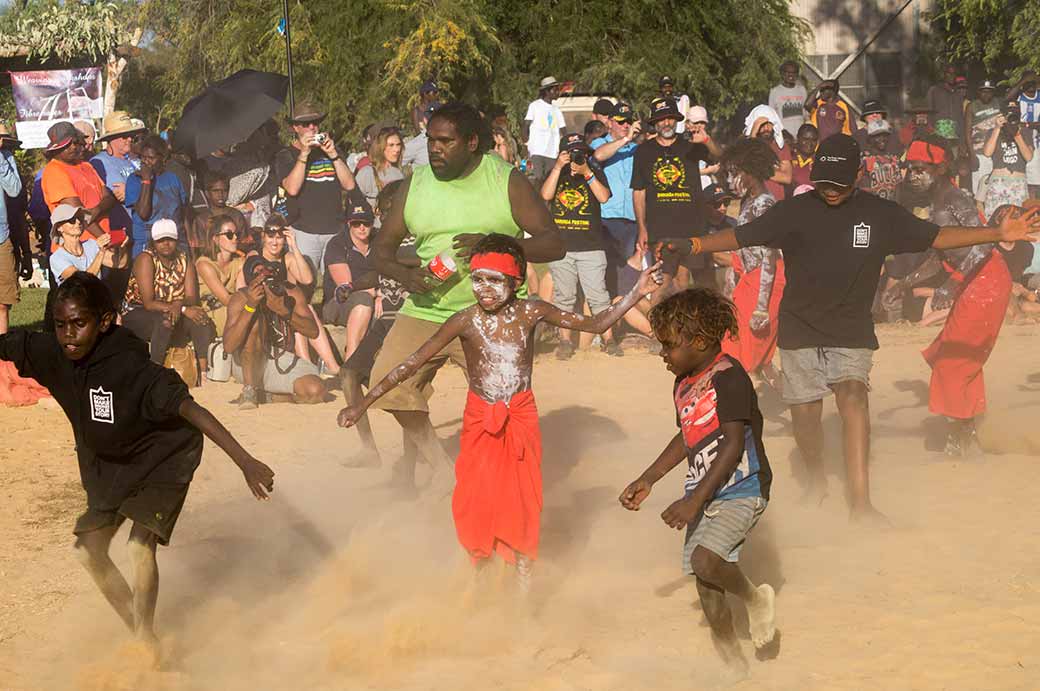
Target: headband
{"x": 925, "y": 153}
{"x": 496, "y": 261}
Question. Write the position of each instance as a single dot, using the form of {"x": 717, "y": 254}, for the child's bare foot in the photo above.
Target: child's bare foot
{"x": 366, "y": 458}
{"x": 869, "y": 516}
{"x": 762, "y": 616}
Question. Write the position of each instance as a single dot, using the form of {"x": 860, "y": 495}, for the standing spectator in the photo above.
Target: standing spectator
{"x": 155, "y": 193}
{"x": 697, "y": 117}
{"x": 385, "y": 155}
{"x": 416, "y": 152}
{"x": 804, "y": 152}
{"x": 594, "y": 129}
{"x": 1010, "y": 153}
{"x": 575, "y": 190}
{"x": 73, "y": 253}
{"x": 1029, "y": 104}
{"x": 69, "y": 179}
{"x": 314, "y": 177}
{"x": 763, "y": 123}
{"x": 89, "y": 132}
{"x": 666, "y": 89}
{"x": 616, "y": 154}
{"x": 881, "y": 170}
{"x": 980, "y": 118}
{"x": 828, "y": 112}
{"x": 947, "y": 104}
{"x": 667, "y": 192}
{"x": 788, "y": 97}
{"x": 346, "y": 261}
{"x": 603, "y": 110}
{"x": 874, "y": 110}
{"x": 358, "y": 160}
{"x": 542, "y": 127}
{"x": 919, "y": 126}
{"x": 428, "y": 103}
{"x": 115, "y": 165}
{"x": 219, "y": 267}
{"x": 11, "y": 184}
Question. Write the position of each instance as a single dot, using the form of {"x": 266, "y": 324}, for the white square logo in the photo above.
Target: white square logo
{"x": 101, "y": 406}
{"x": 861, "y": 235}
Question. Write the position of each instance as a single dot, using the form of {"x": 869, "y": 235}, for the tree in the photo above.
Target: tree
{"x": 1001, "y": 34}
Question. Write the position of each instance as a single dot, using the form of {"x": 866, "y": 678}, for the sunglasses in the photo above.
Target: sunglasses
{"x": 274, "y": 232}
{"x": 358, "y": 224}
{"x": 229, "y": 234}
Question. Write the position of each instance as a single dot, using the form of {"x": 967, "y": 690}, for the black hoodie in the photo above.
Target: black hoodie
{"x": 123, "y": 409}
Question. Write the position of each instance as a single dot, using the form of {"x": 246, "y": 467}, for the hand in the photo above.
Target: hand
{"x": 759, "y": 322}
{"x": 290, "y": 238}
{"x": 145, "y": 172}
{"x": 103, "y": 240}
{"x": 25, "y": 269}
{"x": 642, "y": 239}
{"x": 634, "y": 131}
{"x": 465, "y": 243}
{"x": 329, "y": 147}
{"x": 1021, "y": 226}
{"x": 119, "y": 190}
{"x": 634, "y": 494}
{"x": 349, "y": 416}
{"x": 650, "y": 279}
{"x": 757, "y": 125}
{"x": 279, "y": 305}
{"x": 378, "y": 311}
{"x": 1001, "y": 120}
{"x": 583, "y": 170}
{"x": 258, "y": 476}
{"x": 682, "y": 512}
{"x": 700, "y": 137}
{"x": 681, "y": 246}
{"x": 255, "y": 293}
{"x": 196, "y": 314}
{"x": 562, "y": 160}
{"x": 419, "y": 280}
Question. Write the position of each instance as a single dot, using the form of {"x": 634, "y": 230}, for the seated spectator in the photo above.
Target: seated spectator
{"x": 161, "y": 303}
{"x": 346, "y": 260}
{"x": 385, "y": 156}
{"x": 219, "y": 268}
{"x": 155, "y": 193}
{"x": 215, "y": 188}
{"x": 263, "y": 320}
{"x": 73, "y": 253}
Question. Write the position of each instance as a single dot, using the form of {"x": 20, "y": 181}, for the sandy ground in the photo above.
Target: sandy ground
{"x": 338, "y": 583}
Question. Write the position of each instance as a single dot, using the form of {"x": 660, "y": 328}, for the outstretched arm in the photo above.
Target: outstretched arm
{"x": 599, "y": 323}
{"x": 1014, "y": 227}
{"x": 258, "y": 476}
{"x": 450, "y": 330}
{"x": 954, "y": 284}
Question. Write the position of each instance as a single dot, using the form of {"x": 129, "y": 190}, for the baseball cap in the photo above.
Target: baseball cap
{"x": 874, "y": 106}
{"x": 604, "y": 106}
{"x": 623, "y": 112}
{"x": 164, "y": 229}
{"x": 428, "y": 87}
{"x": 878, "y": 127}
{"x": 716, "y": 194}
{"x": 360, "y": 212}
{"x": 836, "y": 161}
{"x": 697, "y": 114}
{"x": 61, "y": 135}
{"x": 574, "y": 141}
{"x": 665, "y": 80}
{"x": 829, "y": 84}
{"x": 64, "y": 212}
{"x": 988, "y": 85}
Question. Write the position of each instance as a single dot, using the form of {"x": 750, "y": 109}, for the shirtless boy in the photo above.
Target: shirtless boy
{"x": 498, "y": 492}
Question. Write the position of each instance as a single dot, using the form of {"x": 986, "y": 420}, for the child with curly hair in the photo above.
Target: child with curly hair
{"x": 727, "y": 484}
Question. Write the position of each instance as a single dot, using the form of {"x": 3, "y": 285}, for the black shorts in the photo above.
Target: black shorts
{"x": 362, "y": 359}
{"x": 156, "y": 507}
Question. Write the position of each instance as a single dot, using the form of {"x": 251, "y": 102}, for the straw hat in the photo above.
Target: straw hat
{"x": 119, "y": 123}
{"x": 6, "y": 134}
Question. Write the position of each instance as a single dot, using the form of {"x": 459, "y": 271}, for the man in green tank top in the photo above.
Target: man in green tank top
{"x": 448, "y": 206}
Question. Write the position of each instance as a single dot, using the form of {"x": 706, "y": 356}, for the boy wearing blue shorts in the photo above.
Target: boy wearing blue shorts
{"x": 727, "y": 484}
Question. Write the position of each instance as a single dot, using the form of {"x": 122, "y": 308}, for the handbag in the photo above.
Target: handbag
{"x": 219, "y": 362}
{"x": 181, "y": 359}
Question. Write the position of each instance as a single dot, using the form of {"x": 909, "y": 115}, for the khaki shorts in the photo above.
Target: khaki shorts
{"x": 8, "y": 274}
{"x": 406, "y": 336}
{"x": 279, "y": 376}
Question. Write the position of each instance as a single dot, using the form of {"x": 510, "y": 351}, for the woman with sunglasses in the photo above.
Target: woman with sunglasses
{"x": 219, "y": 266}
{"x": 278, "y": 243}
{"x": 385, "y": 155}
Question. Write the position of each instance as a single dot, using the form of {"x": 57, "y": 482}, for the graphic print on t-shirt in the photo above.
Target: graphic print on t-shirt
{"x": 861, "y": 235}
{"x": 669, "y": 176}
{"x": 101, "y": 405}
{"x": 321, "y": 170}
{"x": 571, "y": 206}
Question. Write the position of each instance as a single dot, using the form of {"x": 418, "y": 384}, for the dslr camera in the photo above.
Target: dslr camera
{"x": 579, "y": 157}
{"x": 1013, "y": 116}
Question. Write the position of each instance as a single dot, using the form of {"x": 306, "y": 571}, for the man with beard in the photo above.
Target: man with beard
{"x": 763, "y": 123}
{"x": 448, "y": 206}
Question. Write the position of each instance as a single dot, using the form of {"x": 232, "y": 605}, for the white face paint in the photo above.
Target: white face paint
{"x": 735, "y": 181}
{"x": 503, "y": 370}
{"x": 491, "y": 288}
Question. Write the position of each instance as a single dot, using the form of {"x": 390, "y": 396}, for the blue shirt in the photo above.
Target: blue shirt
{"x": 11, "y": 184}
{"x": 62, "y": 259}
{"x": 114, "y": 171}
{"x": 168, "y": 201}
{"x": 618, "y": 169}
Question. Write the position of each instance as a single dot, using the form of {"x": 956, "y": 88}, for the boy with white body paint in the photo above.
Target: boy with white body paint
{"x": 498, "y": 492}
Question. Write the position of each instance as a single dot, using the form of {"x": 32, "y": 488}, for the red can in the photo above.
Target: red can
{"x": 443, "y": 266}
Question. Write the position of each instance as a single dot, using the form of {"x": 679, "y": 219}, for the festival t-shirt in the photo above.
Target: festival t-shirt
{"x": 318, "y": 208}
{"x": 670, "y": 175}
{"x": 705, "y": 401}
{"x": 789, "y": 104}
{"x": 62, "y": 259}
{"x": 983, "y": 120}
{"x": 576, "y": 212}
{"x": 882, "y": 174}
{"x": 546, "y": 120}
{"x": 832, "y": 259}
{"x": 168, "y": 201}
{"x": 1007, "y": 155}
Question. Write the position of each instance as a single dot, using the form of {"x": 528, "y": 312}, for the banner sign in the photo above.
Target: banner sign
{"x": 45, "y": 97}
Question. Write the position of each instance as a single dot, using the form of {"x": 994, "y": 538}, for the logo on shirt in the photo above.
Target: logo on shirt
{"x": 101, "y": 405}
{"x": 571, "y": 198}
{"x": 861, "y": 235}
{"x": 669, "y": 173}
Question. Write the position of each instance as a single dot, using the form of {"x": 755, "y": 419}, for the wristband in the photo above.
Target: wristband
{"x": 249, "y": 309}
{"x": 589, "y": 177}
{"x": 183, "y": 307}
{"x": 334, "y": 159}
{"x": 145, "y": 182}
{"x": 695, "y": 246}
{"x": 301, "y": 160}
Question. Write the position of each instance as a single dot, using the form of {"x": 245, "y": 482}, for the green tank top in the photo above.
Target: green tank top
{"x": 438, "y": 210}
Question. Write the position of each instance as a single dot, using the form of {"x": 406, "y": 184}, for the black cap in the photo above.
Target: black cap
{"x": 604, "y": 107}
{"x": 661, "y": 108}
{"x": 360, "y": 212}
{"x": 573, "y": 141}
{"x": 836, "y": 161}
{"x": 716, "y": 194}
{"x": 665, "y": 80}
{"x": 874, "y": 106}
{"x": 623, "y": 112}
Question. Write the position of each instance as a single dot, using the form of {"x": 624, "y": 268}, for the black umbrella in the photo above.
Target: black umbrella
{"x": 227, "y": 112}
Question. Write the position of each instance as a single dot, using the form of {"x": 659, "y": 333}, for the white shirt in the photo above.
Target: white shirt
{"x": 682, "y": 102}
{"x": 546, "y": 122}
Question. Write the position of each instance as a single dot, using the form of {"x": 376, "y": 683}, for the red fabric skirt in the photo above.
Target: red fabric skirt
{"x": 498, "y": 478}
{"x": 754, "y": 351}
{"x": 18, "y": 391}
{"x": 958, "y": 353}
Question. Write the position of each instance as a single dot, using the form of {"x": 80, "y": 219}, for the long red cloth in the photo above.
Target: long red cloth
{"x": 16, "y": 390}
{"x": 752, "y": 350}
{"x": 958, "y": 353}
{"x": 498, "y": 478}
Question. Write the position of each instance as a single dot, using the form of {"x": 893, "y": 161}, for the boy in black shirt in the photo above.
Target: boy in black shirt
{"x": 138, "y": 438}
{"x": 667, "y": 196}
{"x": 835, "y": 241}
{"x": 575, "y": 189}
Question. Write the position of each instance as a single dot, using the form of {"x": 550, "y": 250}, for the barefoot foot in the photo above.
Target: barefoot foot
{"x": 762, "y": 616}
{"x": 870, "y": 517}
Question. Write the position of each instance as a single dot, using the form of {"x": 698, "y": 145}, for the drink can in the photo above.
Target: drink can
{"x": 443, "y": 266}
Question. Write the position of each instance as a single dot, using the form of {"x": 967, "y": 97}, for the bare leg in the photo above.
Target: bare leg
{"x": 5, "y": 314}
{"x": 760, "y": 601}
{"x": 323, "y": 346}
{"x": 308, "y": 390}
{"x": 854, "y": 408}
{"x": 417, "y": 426}
{"x": 252, "y": 360}
{"x": 368, "y": 456}
{"x": 807, "y": 419}
{"x": 524, "y": 565}
{"x": 716, "y": 610}
{"x": 92, "y": 552}
{"x": 146, "y": 583}
{"x": 357, "y": 324}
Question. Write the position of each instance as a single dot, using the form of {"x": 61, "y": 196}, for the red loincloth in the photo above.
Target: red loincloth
{"x": 18, "y": 391}
{"x": 752, "y": 350}
{"x": 958, "y": 353}
{"x": 498, "y": 478}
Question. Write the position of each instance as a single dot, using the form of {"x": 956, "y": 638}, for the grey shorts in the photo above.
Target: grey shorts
{"x": 279, "y": 376}
{"x": 723, "y": 528}
{"x": 809, "y": 373}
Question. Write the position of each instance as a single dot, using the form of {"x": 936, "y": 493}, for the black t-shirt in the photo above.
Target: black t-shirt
{"x": 672, "y": 180}
{"x": 341, "y": 250}
{"x": 318, "y": 208}
{"x": 832, "y": 260}
{"x": 1007, "y": 156}
{"x": 576, "y": 212}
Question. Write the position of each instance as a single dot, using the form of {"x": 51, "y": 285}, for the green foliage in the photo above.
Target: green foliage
{"x": 66, "y": 30}
{"x": 1000, "y": 34}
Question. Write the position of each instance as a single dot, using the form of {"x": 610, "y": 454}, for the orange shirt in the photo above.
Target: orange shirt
{"x": 60, "y": 181}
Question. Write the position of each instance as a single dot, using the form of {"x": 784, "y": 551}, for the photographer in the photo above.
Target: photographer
{"x": 262, "y": 320}
{"x": 575, "y": 190}
{"x": 1010, "y": 152}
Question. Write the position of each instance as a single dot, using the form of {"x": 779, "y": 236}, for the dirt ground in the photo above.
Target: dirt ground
{"x": 339, "y": 583}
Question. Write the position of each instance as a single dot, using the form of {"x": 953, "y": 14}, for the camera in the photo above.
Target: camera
{"x": 320, "y": 138}
{"x": 579, "y": 157}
